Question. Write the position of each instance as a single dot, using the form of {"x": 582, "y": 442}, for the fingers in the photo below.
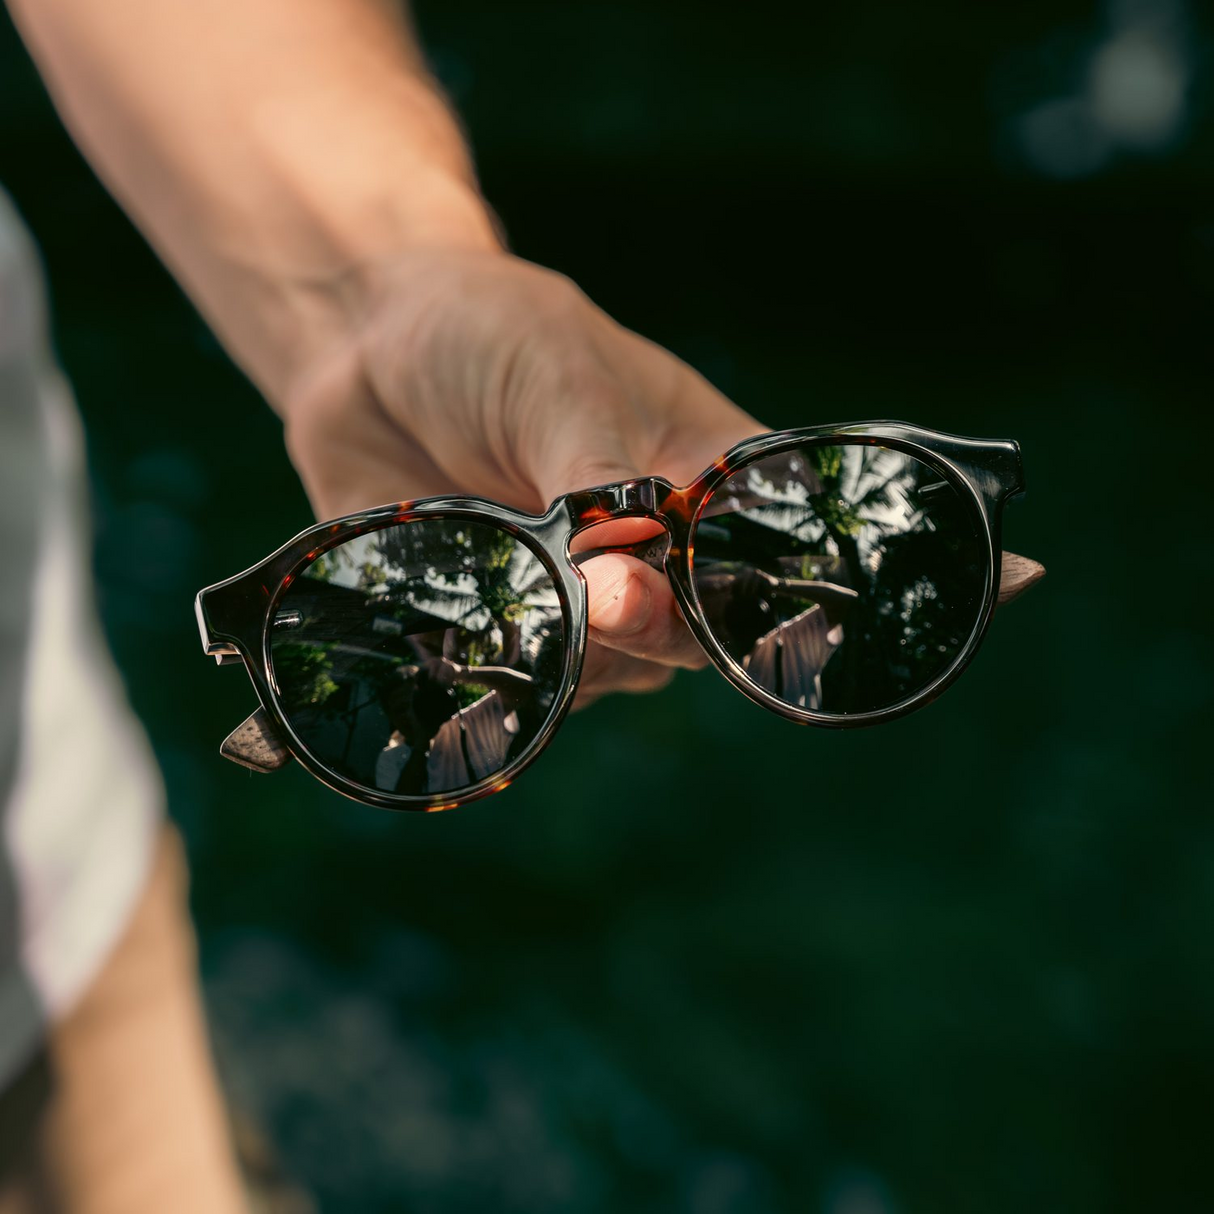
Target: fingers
{"x": 605, "y": 671}
{"x": 633, "y": 611}
{"x": 355, "y": 458}
{"x": 579, "y": 452}
{"x": 640, "y": 412}
{"x": 697, "y": 423}
{"x": 637, "y": 635}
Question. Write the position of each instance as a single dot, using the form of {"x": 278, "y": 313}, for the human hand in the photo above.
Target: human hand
{"x": 475, "y": 372}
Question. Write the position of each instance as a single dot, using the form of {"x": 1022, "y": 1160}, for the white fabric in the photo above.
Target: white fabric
{"x": 82, "y": 811}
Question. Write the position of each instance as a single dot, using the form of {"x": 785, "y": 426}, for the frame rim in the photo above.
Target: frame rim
{"x": 752, "y": 450}
{"x": 991, "y": 475}
{"x": 296, "y": 554}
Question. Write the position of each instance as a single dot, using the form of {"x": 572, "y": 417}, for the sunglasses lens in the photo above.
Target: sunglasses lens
{"x": 843, "y": 579}
{"x": 420, "y": 659}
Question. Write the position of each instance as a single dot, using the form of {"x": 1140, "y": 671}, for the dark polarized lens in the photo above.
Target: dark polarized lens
{"x": 420, "y": 659}
{"x": 843, "y": 578}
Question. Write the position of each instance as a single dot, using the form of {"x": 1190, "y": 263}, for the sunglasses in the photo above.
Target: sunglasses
{"x": 422, "y": 654}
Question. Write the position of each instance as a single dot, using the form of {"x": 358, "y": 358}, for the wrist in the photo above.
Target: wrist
{"x": 284, "y": 257}
{"x": 335, "y": 319}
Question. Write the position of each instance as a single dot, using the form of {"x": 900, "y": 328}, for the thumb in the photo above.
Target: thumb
{"x": 625, "y": 597}
{"x": 579, "y": 453}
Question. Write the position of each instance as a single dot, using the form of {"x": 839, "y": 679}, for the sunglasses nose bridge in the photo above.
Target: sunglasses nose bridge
{"x": 624, "y": 499}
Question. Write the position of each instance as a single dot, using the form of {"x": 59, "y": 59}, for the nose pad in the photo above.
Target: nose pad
{"x": 646, "y": 539}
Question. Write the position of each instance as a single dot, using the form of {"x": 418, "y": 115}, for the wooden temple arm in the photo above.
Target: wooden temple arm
{"x": 1017, "y": 575}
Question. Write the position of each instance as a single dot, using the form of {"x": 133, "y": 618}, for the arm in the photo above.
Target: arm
{"x": 271, "y": 150}
{"x": 295, "y": 168}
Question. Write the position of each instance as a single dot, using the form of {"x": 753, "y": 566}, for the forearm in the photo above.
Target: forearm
{"x": 269, "y": 149}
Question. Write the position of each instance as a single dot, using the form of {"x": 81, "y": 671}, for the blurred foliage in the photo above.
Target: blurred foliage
{"x": 698, "y": 960}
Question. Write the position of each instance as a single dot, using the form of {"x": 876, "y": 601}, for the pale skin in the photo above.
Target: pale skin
{"x": 294, "y": 166}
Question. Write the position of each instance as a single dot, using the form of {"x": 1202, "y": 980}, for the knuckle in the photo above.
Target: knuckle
{"x": 559, "y": 296}
{"x": 587, "y": 384}
{"x": 585, "y": 469}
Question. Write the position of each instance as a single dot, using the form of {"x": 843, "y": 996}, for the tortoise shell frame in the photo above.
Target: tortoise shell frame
{"x": 235, "y": 616}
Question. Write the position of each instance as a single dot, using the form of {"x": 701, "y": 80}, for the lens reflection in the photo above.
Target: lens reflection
{"x": 422, "y": 658}
{"x": 842, "y": 578}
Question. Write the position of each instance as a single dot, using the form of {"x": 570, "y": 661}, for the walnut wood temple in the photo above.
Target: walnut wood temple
{"x": 1017, "y": 575}
{"x": 255, "y": 744}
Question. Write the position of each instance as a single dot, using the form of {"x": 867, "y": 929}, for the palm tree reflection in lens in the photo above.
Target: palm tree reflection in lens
{"x": 841, "y": 578}
{"x": 422, "y": 658}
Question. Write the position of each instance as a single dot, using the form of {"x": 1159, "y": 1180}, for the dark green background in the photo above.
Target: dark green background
{"x": 700, "y": 960}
